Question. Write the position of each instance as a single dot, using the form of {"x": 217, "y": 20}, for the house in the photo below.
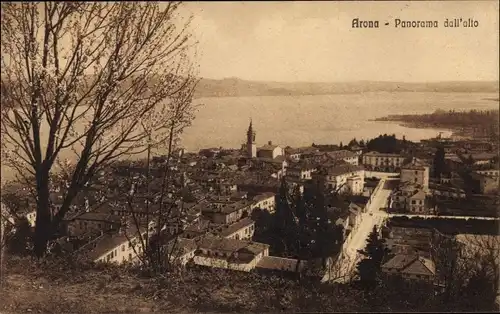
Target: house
{"x": 300, "y": 170}
{"x": 411, "y": 267}
{"x": 416, "y": 202}
{"x": 116, "y": 247}
{"x": 266, "y": 200}
{"x": 355, "y": 185}
{"x": 409, "y": 240}
{"x": 375, "y": 161}
{"x": 230, "y": 253}
{"x": 240, "y": 230}
{"x": 415, "y": 173}
{"x": 198, "y": 229}
{"x": 96, "y": 220}
{"x": 482, "y": 158}
{"x": 447, "y": 190}
{"x": 344, "y": 155}
{"x": 270, "y": 151}
{"x": 180, "y": 251}
{"x": 293, "y": 154}
{"x": 356, "y": 149}
{"x": 228, "y": 213}
{"x": 409, "y": 200}
{"x": 337, "y": 178}
{"x": 278, "y": 165}
{"x": 398, "y": 200}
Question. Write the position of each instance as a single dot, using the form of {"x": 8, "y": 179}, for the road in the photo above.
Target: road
{"x": 373, "y": 217}
{"x": 342, "y": 270}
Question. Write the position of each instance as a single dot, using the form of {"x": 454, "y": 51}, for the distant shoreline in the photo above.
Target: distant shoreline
{"x": 296, "y": 94}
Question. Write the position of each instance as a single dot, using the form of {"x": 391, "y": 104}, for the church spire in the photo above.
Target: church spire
{"x": 251, "y": 147}
{"x": 250, "y": 133}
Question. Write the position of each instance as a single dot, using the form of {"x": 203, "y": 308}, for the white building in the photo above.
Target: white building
{"x": 344, "y": 178}
{"x": 265, "y": 201}
{"x": 270, "y": 151}
{"x": 240, "y": 230}
{"x": 383, "y": 162}
{"x": 300, "y": 171}
{"x": 230, "y": 253}
{"x": 115, "y": 248}
{"x": 344, "y": 155}
{"x": 415, "y": 174}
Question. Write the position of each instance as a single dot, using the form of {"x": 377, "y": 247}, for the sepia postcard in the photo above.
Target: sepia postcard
{"x": 241, "y": 156}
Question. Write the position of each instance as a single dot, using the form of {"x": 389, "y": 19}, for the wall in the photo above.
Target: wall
{"x": 243, "y": 233}
{"x": 122, "y": 253}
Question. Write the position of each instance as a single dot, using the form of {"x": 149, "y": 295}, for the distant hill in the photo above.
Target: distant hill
{"x": 233, "y": 87}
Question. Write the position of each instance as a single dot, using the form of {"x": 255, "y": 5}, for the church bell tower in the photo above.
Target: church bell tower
{"x": 251, "y": 146}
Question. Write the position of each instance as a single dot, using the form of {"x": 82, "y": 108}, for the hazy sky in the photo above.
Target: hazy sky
{"x": 314, "y": 41}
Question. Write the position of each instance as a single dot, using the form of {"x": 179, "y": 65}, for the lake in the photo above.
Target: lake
{"x": 324, "y": 119}
{"x": 303, "y": 120}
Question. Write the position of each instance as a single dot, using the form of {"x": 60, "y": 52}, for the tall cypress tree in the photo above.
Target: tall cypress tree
{"x": 369, "y": 268}
{"x": 285, "y": 225}
{"x": 439, "y": 162}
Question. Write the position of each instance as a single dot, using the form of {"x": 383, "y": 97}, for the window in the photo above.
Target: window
{"x": 413, "y": 202}
{"x": 416, "y": 172}
{"x": 123, "y": 248}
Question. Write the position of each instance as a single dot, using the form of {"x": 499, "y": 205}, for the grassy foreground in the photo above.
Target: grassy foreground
{"x": 57, "y": 287}
{"x": 31, "y": 286}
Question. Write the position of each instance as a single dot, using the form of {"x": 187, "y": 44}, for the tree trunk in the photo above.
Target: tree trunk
{"x": 43, "y": 216}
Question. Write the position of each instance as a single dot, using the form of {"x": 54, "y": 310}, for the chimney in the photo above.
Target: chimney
{"x": 270, "y": 142}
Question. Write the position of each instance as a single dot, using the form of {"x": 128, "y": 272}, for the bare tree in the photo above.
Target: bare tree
{"x": 483, "y": 251}
{"x": 91, "y": 82}
{"x": 341, "y": 268}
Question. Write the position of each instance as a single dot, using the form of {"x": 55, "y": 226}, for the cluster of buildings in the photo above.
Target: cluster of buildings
{"x": 215, "y": 194}
{"x": 211, "y": 202}
{"x": 411, "y": 255}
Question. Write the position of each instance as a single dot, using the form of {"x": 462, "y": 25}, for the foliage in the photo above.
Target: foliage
{"x": 369, "y": 268}
{"x": 60, "y": 287}
{"x": 440, "y": 166}
{"x": 20, "y": 240}
{"x": 482, "y": 123}
{"x": 94, "y": 81}
{"x": 300, "y": 227}
{"x": 387, "y": 144}
{"x": 353, "y": 142}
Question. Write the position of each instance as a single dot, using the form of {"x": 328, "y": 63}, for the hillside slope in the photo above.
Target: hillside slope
{"x": 54, "y": 287}
{"x": 235, "y": 87}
